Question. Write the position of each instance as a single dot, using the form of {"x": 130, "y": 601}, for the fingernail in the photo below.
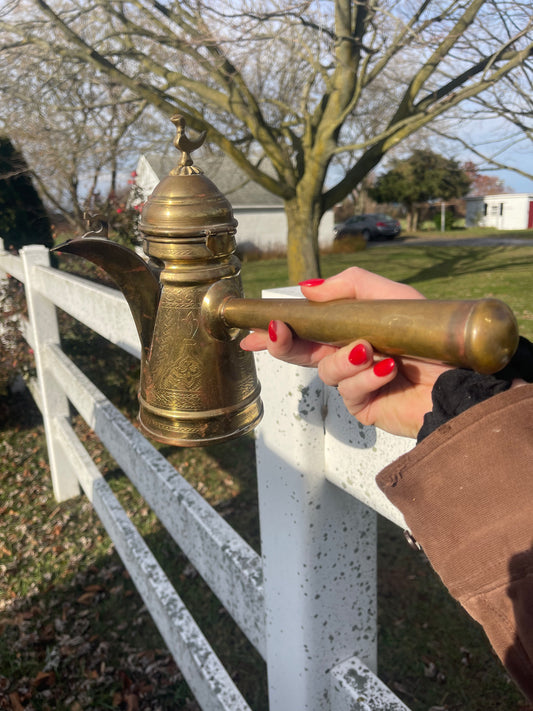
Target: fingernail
{"x": 384, "y": 367}
{"x": 358, "y": 356}
{"x": 311, "y": 282}
{"x": 272, "y": 328}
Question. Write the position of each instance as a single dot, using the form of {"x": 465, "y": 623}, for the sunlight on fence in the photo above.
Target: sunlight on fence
{"x": 308, "y": 603}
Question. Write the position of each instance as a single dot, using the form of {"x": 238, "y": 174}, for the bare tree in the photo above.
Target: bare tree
{"x": 287, "y": 89}
{"x": 75, "y": 132}
{"x": 501, "y": 125}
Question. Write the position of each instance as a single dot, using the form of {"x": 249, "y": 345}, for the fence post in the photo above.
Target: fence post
{"x": 318, "y": 545}
{"x": 53, "y": 402}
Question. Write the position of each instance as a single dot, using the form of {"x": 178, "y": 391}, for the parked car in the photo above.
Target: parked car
{"x": 371, "y": 226}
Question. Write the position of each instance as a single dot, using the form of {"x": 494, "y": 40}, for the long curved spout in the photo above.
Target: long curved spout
{"x": 131, "y": 273}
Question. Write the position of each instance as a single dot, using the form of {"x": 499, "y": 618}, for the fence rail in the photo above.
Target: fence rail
{"x": 308, "y": 604}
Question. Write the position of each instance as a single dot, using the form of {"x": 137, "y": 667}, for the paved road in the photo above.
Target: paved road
{"x": 456, "y": 242}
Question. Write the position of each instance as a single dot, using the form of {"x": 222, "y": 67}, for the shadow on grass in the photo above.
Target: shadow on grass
{"x": 462, "y": 261}
{"x": 18, "y": 412}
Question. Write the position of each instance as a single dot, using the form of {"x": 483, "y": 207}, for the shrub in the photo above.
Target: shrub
{"x": 23, "y": 218}
{"x": 121, "y": 213}
{"x": 348, "y": 244}
{"x": 449, "y": 220}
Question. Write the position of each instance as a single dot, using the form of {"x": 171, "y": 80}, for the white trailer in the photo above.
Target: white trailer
{"x": 506, "y": 211}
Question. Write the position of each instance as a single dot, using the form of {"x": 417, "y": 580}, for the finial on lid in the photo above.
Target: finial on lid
{"x": 186, "y": 146}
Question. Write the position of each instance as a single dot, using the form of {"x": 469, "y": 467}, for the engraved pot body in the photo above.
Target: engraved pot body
{"x": 196, "y": 386}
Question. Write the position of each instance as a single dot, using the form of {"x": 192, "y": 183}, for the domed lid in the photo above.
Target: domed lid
{"x": 186, "y": 203}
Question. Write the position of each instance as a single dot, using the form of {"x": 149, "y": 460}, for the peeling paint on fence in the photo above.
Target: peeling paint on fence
{"x": 206, "y": 676}
{"x": 354, "y": 454}
{"x": 227, "y": 563}
{"x": 318, "y": 546}
{"x": 355, "y": 688}
{"x": 309, "y": 603}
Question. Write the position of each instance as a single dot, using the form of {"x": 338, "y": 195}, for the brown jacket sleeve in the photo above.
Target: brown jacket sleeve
{"x": 466, "y": 492}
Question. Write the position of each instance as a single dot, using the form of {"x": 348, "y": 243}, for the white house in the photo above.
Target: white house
{"x": 261, "y": 216}
{"x": 508, "y": 211}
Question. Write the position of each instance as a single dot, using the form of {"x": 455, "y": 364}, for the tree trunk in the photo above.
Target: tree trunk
{"x": 303, "y": 259}
{"x": 412, "y": 218}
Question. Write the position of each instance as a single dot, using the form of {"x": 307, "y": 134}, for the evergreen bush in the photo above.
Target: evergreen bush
{"x": 23, "y": 218}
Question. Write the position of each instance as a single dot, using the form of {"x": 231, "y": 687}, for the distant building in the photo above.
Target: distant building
{"x": 260, "y": 214}
{"x": 507, "y": 211}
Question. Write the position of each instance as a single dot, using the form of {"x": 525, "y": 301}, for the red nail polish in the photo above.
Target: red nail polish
{"x": 311, "y": 282}
{"x": 272, "y": 331}
{"x": 358, "y": 356}
{"x": 384, "y": 367}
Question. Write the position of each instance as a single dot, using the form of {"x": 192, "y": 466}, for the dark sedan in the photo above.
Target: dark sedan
{"x": 371, "y": 226}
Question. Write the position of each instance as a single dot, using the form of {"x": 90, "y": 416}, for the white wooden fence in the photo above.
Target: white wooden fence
{"x": 308, "y": 603}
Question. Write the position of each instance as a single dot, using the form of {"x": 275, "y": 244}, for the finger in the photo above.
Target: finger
{"x": 285, "y": 346}
{"x": 356, "y": 283}
{"x": 255, "y": 341}
{"x": 359, "y": 391}
{"x": 345, "y": 362}
{"x": 280, "y": 340}
{"x": 282, "y": 344}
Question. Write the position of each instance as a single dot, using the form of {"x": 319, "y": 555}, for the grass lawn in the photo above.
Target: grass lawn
{"x": 74, "y": 633}
{"x": 439, "y": 272}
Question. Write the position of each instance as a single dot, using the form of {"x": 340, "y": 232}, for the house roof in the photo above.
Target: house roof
{"x": 502, "y": 196}
{"x": 231, "y": 180}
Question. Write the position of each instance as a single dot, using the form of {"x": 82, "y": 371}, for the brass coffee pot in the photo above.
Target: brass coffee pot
{"x": 197, "y": 385}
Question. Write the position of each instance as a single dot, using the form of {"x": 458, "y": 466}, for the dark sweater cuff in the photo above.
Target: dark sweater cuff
{"x": 457, "y": 390}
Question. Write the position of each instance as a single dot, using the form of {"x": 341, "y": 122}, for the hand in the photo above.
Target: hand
{"x": 393, "y": 394}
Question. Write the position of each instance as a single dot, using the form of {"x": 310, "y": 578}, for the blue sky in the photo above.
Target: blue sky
{"x": 518, "y": 183}
{"x": 500, "y": 139}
